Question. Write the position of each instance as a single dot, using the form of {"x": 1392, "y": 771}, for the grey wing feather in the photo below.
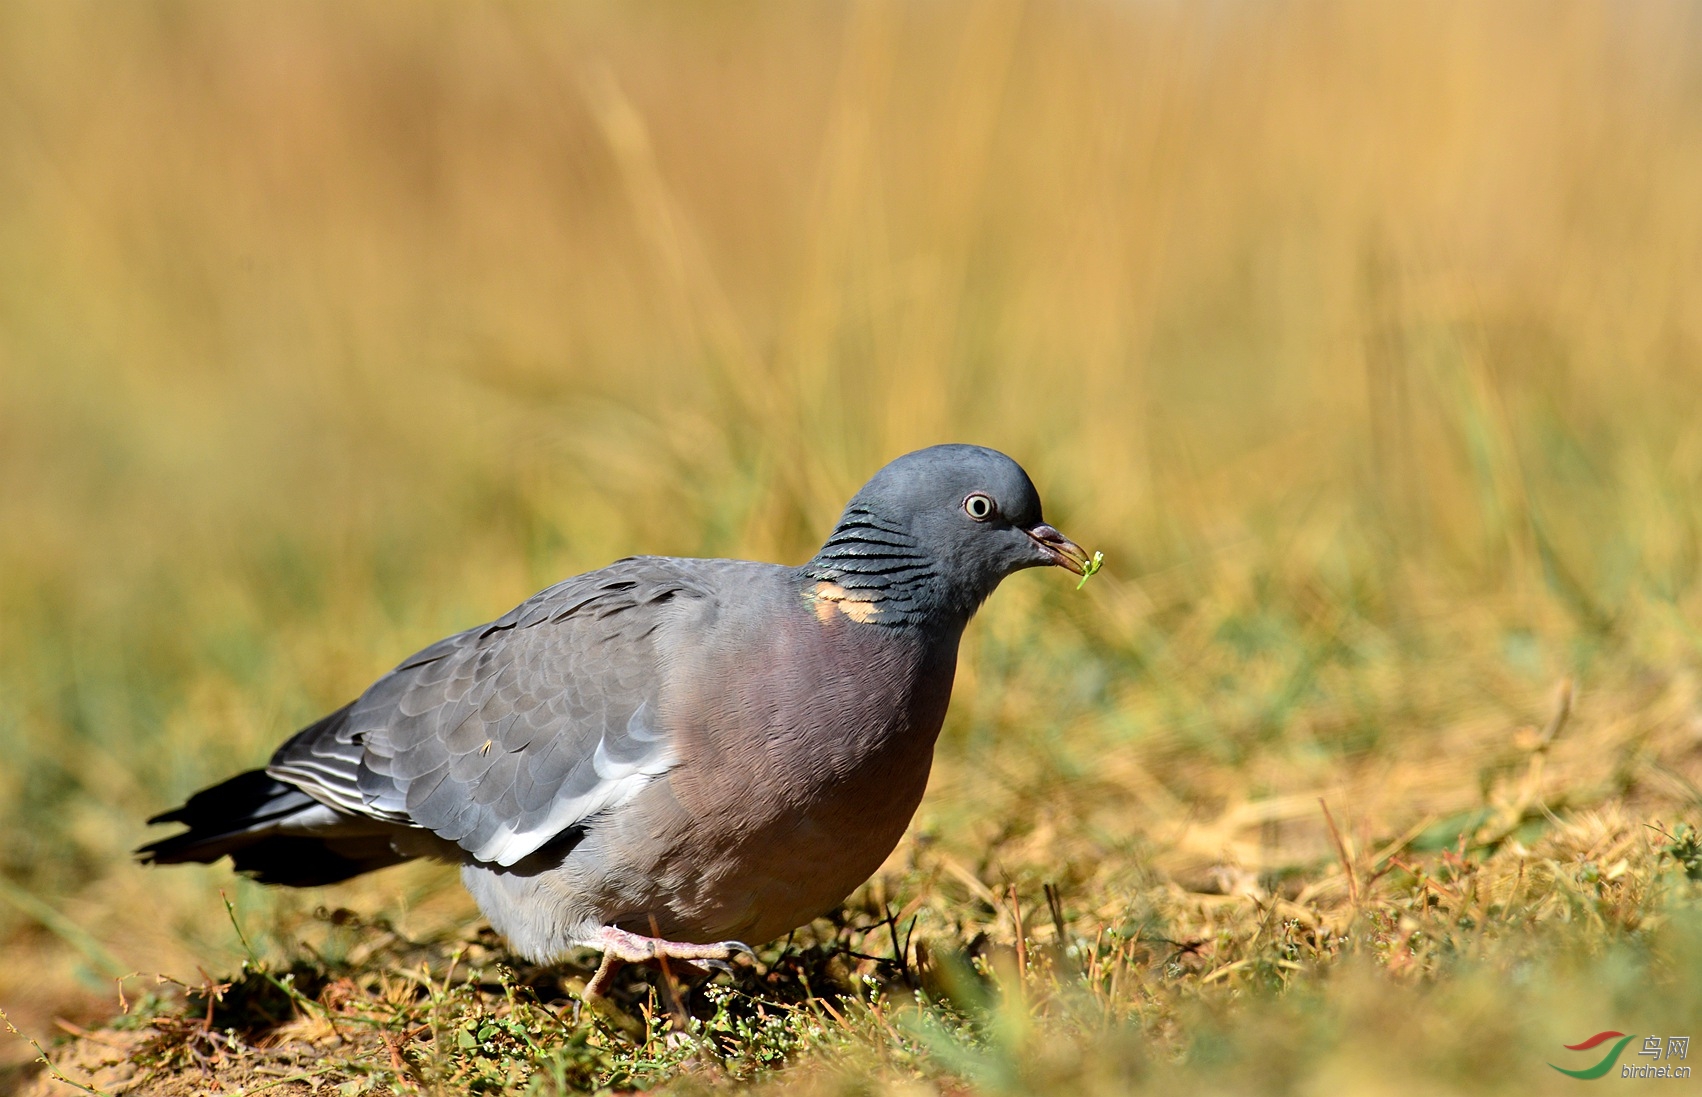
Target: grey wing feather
{"x": 502, "y": 737}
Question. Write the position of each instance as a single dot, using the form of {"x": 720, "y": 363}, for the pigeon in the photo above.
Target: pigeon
{"x": 664, "y": 758}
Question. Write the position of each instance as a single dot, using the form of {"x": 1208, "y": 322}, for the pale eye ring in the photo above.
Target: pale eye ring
{"x": 980, "y": 506}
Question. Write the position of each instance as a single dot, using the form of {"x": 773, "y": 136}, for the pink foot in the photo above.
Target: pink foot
{"x": 621, "y": 947}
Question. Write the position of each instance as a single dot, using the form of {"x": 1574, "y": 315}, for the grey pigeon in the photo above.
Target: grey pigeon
{"x": 665, "y": 757}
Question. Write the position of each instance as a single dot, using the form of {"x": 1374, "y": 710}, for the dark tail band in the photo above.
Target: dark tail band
{"x": 248, "y": 819}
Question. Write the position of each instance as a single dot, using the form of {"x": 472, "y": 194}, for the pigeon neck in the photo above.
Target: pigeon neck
{"x": 873, "y": 570}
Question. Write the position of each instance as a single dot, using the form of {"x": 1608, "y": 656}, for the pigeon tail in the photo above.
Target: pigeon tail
{"x": 271, "y": 831}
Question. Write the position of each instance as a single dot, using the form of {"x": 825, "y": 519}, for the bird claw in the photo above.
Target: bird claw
{"x": 635, "y": 948}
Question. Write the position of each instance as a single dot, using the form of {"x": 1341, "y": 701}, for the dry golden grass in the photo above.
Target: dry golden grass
{"x": 1364, "y": 339}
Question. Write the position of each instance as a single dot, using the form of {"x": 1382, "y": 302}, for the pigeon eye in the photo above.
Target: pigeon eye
{"x": 980, "y": 507}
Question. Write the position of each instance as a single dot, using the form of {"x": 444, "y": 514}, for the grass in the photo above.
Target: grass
{"x": 1364, "y": 343}
{"x": 1468, "y": 963}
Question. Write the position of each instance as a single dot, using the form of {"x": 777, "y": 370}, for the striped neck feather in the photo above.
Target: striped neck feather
{"x": 877, "y": 562}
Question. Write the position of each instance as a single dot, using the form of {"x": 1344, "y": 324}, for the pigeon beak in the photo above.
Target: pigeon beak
{"x": 1060, "y": 551}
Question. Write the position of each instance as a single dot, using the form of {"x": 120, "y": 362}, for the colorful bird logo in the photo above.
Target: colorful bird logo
{"x": 1608, "y": 1060}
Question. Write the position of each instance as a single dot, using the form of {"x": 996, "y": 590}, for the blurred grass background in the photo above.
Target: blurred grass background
{"x": 1364, "y": 340}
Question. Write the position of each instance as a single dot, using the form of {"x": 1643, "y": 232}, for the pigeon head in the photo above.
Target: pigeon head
{"x": 932, "y": 535}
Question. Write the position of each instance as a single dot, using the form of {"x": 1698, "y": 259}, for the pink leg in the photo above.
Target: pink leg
{"x": 621, "y": 947}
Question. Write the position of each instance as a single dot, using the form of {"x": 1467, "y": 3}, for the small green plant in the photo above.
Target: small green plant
{"x": 1091, "y": 568}
{"x": 1684, "y": 845}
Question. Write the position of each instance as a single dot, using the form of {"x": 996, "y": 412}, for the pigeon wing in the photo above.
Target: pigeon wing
{"x": 502, "y": 737}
